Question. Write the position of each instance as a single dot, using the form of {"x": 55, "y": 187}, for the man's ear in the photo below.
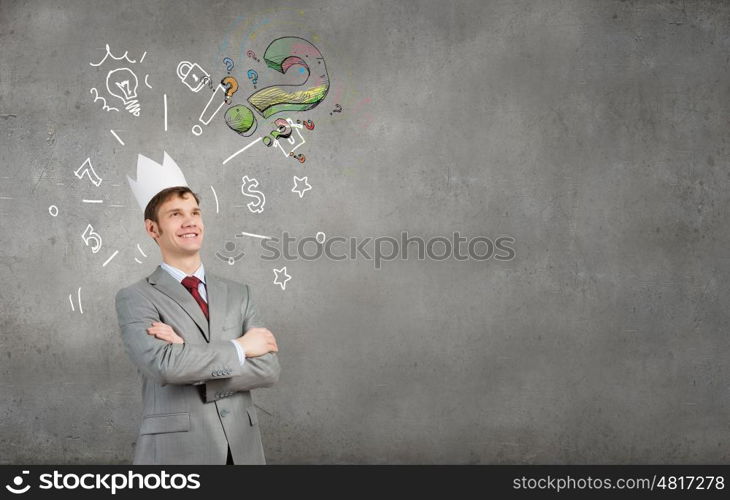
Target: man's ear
{"x": 152, "y": 229}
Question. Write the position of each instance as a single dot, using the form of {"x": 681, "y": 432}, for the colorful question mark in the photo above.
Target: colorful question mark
{"x": 232, "y": 85}
{"x": 282, "y": 54}
{"x": 283, "y": 130}
{"x": 253, "y": 76}
{"x": 251, "y": 54}
{"x": 299, "y": 157}
{"x": 229, "y": 63}
{"x": 308, "y": 124}
{"x": 338, "y": 109}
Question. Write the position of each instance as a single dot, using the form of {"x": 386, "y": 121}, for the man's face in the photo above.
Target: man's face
{"x": 180, "y": 228}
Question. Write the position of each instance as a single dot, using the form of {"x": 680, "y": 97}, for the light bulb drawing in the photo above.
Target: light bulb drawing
{"x": 122, "y": 84}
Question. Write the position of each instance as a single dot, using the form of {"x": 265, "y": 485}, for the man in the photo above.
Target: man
{"x": 196, "y": 338}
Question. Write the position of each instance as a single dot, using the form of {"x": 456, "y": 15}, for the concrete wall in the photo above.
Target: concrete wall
{"x": 593, "y": 133}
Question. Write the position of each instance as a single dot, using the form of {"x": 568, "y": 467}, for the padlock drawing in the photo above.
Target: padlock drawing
{"x": 192, "y": 75}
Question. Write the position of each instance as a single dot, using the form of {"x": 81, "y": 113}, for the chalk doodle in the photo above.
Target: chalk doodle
{"x": 231, "y": 85}
{"x": 117, "y": 137}
{"x": 73, "y": 309}
{"x": 253, "y": 235}
{"x": 92, "y": 238}
{"x": 247, "y": 189}
{"x": 301, "y": 186}
{"x": 283, "y": 130}
{"x": 242, "y": 149}
{"x": 53, "y": 210}
{"x": 281, "y": 277}
{"x": 281, "y": 55}
{"x": 278, "y": 274}
{"x": 206, "y": 116}
{"x": 87, "y": 169}
{"x": 107, "y": 261}
{"x": 241, "y": 120}
{"x": 299, "y": 157}
{"x": 109, "y": 54}
{"x": 356, "y": 105}
{"x": 104, "y": 105}
{"x": 253, "y": 76}
{"x": 192, "y": 75}
{"x": 318, "y": 235}
{"x": 230, "y": 248}
{"x": 300, "y": 83}
{"x": 215, "y": 196}
{"x": 122, "y": 83}
{"x": 142, "y": 252}
{"x": 295, "y": 141}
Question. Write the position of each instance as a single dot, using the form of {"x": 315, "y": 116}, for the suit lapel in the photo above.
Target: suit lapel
{"x": 165, "y": 283}
{"x": 217, "y": 300}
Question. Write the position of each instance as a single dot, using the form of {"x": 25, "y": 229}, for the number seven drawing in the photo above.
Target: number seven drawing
{"x": 88, "y": 169}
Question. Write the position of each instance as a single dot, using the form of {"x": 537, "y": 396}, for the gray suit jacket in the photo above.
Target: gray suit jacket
{"x": 196, "y": 396}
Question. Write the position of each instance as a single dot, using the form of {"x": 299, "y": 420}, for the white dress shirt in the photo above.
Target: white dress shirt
{"x": 200, "y": 274}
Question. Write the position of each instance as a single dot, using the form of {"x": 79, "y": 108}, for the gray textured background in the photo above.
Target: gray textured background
{"x": 593, "y": 132}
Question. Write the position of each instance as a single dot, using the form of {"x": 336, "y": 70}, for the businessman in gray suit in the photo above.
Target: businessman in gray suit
{"x": 199, "y": 344}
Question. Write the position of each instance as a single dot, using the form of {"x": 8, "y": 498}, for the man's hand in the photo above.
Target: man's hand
{"x": 257, "y": 342}
{"x": 164, "y": 332}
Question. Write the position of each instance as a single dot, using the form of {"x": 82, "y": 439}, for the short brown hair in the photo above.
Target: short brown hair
{"x": 150, "y": 212}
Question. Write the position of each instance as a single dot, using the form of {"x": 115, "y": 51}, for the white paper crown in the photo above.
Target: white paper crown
{"x": 153, "y": 178}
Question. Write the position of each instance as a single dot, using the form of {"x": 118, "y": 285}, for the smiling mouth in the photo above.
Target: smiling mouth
{"x": 189, "y": 235}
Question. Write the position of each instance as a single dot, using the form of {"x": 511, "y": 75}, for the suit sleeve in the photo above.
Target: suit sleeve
{"x": 261, "y": 371}
{"x": 169, "y": 363}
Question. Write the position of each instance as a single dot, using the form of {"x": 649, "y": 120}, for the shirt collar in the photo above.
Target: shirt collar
{"x": 180, "y": 275}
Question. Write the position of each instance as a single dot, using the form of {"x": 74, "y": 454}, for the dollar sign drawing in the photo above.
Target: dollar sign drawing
{"x": 256, "y": 206}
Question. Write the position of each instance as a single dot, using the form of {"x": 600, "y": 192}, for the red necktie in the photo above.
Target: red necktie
{"x": 191, "y": 283}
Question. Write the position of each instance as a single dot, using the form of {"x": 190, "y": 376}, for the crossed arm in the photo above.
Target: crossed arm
{"x": 159, "y": 353}
{"x": 260, "y": 347}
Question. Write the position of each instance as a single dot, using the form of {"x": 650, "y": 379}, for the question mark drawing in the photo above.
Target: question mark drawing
{"x": 338, "y": 109}
{"x": 232, "y": 86}
{"x": 229, "y": 64}
{"x": 253, "y": 76}
{"x": 283, "y": 130}
{"x": 282, "y": 54}
{"x": 250, "y": 53}
{"x": 300, "y": 157}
